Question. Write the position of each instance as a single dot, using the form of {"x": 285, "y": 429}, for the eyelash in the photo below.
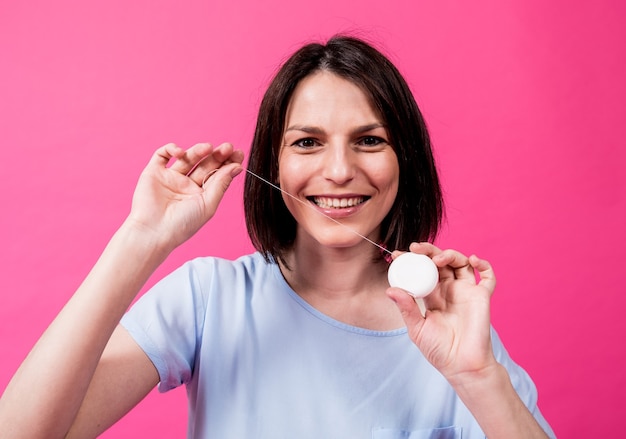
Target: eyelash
{"x": 362, "y": 141}
{"x": 300, "y": 142}
{"x": 377, "y": 140}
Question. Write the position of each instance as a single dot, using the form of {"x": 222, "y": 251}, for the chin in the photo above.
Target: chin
{"x": 345, "y": 240}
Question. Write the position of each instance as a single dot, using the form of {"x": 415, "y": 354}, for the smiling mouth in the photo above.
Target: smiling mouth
{"x": 337, "y": 203}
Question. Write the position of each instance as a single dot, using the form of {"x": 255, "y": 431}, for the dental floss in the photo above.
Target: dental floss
{"x": 415, "y": 273}
{"x": 315, "y": 210}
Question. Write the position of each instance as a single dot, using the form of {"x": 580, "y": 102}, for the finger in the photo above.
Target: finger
{"x": 237, "y": 156}
{"x": 164, "y": 154}
{"x": 485, "y": 272}
{"x": 219, "y": 183}
{"x": 396, "y": 253}
{"x": 422, "y": 248}
{"x": 223, "y": 152}
{"x": 458, "y": 264}
{"x": 221, "y": 156}
{"x": 425, "y": 248}
{"x": 193, "y": 156}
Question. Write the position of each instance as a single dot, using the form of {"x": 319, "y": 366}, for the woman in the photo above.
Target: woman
{"x": 299, "y": 339}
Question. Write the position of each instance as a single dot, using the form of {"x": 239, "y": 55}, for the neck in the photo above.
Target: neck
{"x": 347, "y": 284}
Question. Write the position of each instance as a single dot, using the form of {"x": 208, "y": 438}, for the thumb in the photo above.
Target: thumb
{"x": 408, "y": 307}
{"x": 215, "y": 187}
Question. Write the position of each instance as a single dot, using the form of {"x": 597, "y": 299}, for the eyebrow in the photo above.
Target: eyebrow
{"x": 317, "y": 130}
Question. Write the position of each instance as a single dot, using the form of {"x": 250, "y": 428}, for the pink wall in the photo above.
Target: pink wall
{"x": 525, "y": 100}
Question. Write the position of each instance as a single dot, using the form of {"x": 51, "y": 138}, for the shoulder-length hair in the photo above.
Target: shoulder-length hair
{"x": 417, "y": 212}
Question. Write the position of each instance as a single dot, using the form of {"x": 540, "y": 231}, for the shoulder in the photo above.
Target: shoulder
{"x": 212, "y": 270}
{"x": 190, "y": 288}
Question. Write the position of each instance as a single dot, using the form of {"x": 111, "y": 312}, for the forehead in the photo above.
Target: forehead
{"x": 324, "y": 97}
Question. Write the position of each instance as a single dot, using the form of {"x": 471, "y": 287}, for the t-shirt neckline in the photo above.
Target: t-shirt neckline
{"x": 325, "y": 318}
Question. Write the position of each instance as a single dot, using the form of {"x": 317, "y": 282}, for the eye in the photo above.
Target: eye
{"x": 371, "y": 141}
{"x": 307, "y": 142}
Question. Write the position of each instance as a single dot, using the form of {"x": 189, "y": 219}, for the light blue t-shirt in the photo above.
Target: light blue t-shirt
{"x": 259, "y": 362}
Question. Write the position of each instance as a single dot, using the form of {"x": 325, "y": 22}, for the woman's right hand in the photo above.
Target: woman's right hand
{"x": 173, "y": 202}
{"x": 67, "y": 383}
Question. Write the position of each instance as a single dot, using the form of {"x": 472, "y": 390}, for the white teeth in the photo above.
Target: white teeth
{"x": 337, "y": 203}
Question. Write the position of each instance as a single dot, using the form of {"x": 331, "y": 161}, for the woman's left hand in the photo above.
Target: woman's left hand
{"x": 454, "y": 335}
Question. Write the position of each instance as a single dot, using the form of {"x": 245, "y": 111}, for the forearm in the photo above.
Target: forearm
{"x": 46, "y": 392}
{"x": 497, "y": 407}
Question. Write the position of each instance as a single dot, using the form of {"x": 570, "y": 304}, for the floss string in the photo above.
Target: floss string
{"x": 317, "y": 211}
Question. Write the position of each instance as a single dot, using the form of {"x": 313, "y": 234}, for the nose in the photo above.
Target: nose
{"x": 339, "y": 162}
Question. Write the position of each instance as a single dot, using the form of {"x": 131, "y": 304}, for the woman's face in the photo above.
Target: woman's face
{"x": 336, "y": 158}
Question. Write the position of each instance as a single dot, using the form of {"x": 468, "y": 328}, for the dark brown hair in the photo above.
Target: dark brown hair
{"x": 418, "y": 209}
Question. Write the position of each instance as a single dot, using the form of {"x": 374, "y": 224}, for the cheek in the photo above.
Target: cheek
{"x": 388, "y": 183}
{"x": 292, "y": 172}
{"x": 287, "y": 179}
{"x": 283, "y": 172}
{"x": 387, "y": 175}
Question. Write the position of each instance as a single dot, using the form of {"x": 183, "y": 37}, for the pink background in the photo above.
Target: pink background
{"x": 525, "y": 100}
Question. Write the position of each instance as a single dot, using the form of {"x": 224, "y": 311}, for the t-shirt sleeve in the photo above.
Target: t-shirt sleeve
{"x": 167, "y": 323}
{"x": 521, "y": 381}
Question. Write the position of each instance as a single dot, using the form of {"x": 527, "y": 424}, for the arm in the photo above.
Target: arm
{"x": 454, "y": 336}
{"x": 77, "y": 367}
{"x": 123, "y": 377}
